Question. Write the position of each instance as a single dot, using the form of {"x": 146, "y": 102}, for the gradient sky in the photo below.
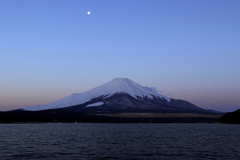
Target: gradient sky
{"x": 187, "y": 49}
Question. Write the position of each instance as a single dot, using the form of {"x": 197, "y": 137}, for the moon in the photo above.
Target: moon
{"x": 88, "y": 12}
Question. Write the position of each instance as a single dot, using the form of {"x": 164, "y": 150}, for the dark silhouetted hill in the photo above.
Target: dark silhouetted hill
{"x": 231, "y": 117}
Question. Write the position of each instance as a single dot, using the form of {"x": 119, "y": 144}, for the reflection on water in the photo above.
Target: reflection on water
{"x": 119, "y": 141}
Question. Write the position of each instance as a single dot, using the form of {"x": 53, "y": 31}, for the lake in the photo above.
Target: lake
{"x": 119, "y": 141}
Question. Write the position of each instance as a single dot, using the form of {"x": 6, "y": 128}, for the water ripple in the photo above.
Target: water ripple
{"x": 119, "y": 141}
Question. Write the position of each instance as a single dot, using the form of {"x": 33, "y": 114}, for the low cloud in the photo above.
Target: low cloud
{"x": 153, "y": 89}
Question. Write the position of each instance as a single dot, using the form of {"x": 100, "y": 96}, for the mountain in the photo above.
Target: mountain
{"x": 231, "y": 117}
{"x": 120, "y": 95}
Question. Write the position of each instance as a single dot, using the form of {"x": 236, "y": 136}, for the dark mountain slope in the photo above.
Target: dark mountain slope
{"x": 124, "y": 103}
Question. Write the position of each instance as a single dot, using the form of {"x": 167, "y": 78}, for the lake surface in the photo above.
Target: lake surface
{"x": 119, "y": 141}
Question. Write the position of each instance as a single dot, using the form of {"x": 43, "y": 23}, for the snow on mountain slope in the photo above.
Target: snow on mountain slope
{"x": 95, "y": 104}
{"x": 118, "y": 85}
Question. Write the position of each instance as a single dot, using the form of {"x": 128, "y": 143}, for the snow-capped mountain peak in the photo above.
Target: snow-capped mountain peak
{"x": 125, "y": 85}
{"x": 117, "y": 85}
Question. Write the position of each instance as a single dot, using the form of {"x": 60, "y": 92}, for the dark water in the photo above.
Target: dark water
{"x": 119, "y": 141}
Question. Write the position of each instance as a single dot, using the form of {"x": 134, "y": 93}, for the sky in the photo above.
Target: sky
{"x": 187, "y": 49}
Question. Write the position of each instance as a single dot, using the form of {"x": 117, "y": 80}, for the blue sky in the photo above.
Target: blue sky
{"x": 187, "y": 49}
